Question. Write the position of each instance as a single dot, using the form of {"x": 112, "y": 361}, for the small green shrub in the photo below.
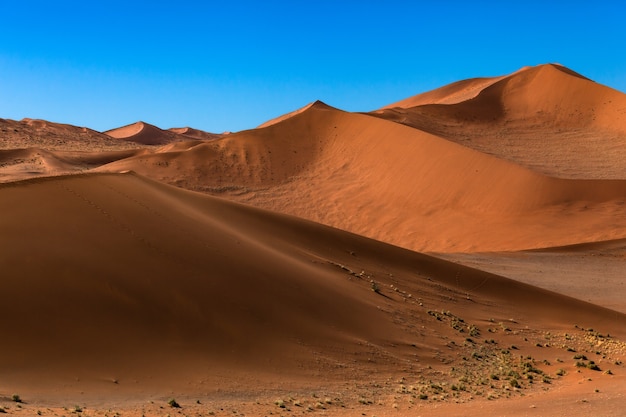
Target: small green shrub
{"x": 593, "y": 366}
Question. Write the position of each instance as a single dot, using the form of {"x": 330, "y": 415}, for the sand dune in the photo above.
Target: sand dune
{"x": 393, "y": 183}
{"x": 547, "y": 118}
{"x": 30, "y": 133}
{"x": 25, "y": 163}
{"x": 162, "y": 285}
{"x": 317, "y": 104}
{"x": 144, "y": 134}
{"x": 450, "y": 94}
{"x": 20, "y": 164}
{"x": 195, "y": 133}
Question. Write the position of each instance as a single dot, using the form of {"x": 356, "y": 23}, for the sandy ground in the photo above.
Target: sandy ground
{"x": 141, "y": 279}
{"x": 593, "y": 273}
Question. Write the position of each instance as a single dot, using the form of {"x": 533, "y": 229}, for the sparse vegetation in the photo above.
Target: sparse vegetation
{"x": 593, "y": 366}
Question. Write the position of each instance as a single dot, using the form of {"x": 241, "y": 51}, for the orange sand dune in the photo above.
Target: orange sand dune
{"x": 547, "y": 118}
{"x": 450, "y": 94}
{"x": 50, "y": 136}
{"x": 393, "y": 183}
{"x": 20, "y": 164}
{"x": 145, "y": 134}
{"x": 279, "y": 119}
{"x": 116, "y": 284}
{"x": 195, "y": 133}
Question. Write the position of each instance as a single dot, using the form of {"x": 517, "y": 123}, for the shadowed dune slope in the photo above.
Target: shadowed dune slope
{"x": 159, "y": 283}
{"x": 548, "y": 118}
{"x": 145, "y": 134}
{"x": 393, "y": 183}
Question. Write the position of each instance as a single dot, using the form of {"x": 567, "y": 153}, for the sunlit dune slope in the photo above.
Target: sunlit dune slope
{"x": 115, "y": 280}
{"x": 394, "y": 183}
{"x": 450, "y": 94}
{"x": 548, "y": 118}
{"x": 145, "y": 134}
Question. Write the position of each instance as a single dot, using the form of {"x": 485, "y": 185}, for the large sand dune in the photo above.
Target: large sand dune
{"x": 393, "y": 183}
{"x": 113, "y": 283}
{"x": 547, "y": 118}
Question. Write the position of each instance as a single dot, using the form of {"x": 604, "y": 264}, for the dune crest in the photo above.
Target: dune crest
{"x": 316, "y": 104}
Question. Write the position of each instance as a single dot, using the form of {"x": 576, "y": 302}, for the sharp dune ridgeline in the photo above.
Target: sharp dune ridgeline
{"x": 456, "y": 250}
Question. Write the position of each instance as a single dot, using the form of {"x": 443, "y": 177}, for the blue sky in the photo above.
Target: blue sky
{"x": 231, "y": 65}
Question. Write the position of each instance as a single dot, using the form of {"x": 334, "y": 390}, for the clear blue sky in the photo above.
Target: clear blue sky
{"x": 231, "y": 65}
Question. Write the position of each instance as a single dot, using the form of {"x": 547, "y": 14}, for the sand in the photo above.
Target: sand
{"x": 459, "y": 252}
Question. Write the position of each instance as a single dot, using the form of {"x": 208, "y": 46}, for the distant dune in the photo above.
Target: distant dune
{"x": 30, "y": 133}
{"x": 144, "y": 134}
{"x": 195, "y": 133}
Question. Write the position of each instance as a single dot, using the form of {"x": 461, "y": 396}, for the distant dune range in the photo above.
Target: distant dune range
{"x": 147, "y": 134}
{"x": 147, "y": 263}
